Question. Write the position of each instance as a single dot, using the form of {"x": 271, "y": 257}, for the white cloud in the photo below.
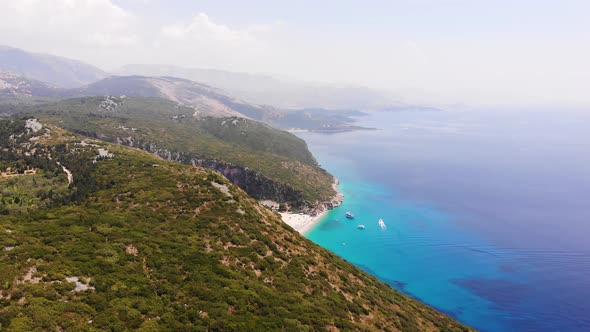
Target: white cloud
{"x": 201, "y": 28}
{"x": 102, "y": 33}
{"x": 206, "y": 43}
{"x": 55, "y": 24}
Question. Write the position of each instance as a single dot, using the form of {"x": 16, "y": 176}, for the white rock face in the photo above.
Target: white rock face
{"x": 222, "y": 187}
{"x": 67, "y": 171}
{"x": 80, "y": 286}
{"x": 234, "y": 122}
{"x": 126, "y": 128}
{"x": 110, "y": 103}
{"x": 4, "y": 84}
{"x": 69, "y": 174}
{"x": 86, "y": 143}
{"x": 104, "y": 153}
{"x": 33, "y": 125}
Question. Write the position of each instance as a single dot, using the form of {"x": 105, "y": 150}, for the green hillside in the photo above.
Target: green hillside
{"x": 138, "y": 243}
{"x": 279, "y": 165}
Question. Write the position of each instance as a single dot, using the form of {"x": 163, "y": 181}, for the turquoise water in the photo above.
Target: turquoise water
{"x": 482, "y": 223}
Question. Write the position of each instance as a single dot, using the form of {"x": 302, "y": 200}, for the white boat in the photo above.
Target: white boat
{"x": 360, "y": 226}
{"x": 382, "y": 224}
{"x": 349, "y": 215}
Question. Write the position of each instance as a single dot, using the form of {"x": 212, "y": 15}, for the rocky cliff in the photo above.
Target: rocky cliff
{"x": 256, "y": 185}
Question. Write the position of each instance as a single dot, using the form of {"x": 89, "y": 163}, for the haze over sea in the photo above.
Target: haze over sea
{"x": 487, "y": 213}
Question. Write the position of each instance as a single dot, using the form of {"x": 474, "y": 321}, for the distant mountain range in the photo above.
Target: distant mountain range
{"x": 255, "y": 89}
{"x": 265, "y": 89}
{"x": 247, "y": 89}
{"x": 58, "y": 71}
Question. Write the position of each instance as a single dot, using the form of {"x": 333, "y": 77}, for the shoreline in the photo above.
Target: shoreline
{"x": 303, "y": 222}
{"x": 329, "y": 130}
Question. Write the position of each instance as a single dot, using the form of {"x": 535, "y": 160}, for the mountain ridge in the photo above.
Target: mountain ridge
{"x": 206, "y": 100}
{"x": 56, "y": 70}
{"x": 266, "y": 89}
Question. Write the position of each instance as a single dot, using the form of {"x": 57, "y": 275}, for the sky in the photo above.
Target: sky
{"x": 449, "y": 51}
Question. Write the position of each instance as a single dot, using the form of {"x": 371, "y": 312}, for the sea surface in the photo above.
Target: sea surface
{"x": 487, "y": 213}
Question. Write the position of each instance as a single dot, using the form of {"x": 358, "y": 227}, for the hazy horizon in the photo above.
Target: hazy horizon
{"x": 455, "y": 51}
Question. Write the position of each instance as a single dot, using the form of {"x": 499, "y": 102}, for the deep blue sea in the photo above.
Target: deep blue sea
{"x": 487, "y": 213}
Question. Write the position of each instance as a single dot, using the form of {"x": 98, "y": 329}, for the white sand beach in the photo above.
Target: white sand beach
{"x": 301, "y": 222}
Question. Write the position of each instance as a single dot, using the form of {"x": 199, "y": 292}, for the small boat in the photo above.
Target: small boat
{"x": 349, "y": 215}
{"x": 360, "y": 226}
{"x": 382, "y": 224}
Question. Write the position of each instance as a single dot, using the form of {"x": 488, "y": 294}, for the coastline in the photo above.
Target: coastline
{"x": 329, "y": 130}
{"x": 301, "y": 222}
{"x": 304, "y": 222}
